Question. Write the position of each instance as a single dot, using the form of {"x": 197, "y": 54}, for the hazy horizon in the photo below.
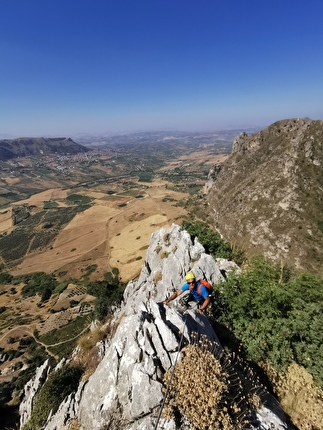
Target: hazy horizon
{"x": 125, "y": 132}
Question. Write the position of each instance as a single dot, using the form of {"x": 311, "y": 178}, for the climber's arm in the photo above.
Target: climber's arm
{"x": 173, "y": 296}
{"x": 204, "y": 305}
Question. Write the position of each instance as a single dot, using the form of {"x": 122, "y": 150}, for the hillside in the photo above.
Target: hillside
{"x": 267, "y": 197}
{"x": 80, "y": 231}
{"x": 26, "y": 147}
{"x": 146, "y": 339}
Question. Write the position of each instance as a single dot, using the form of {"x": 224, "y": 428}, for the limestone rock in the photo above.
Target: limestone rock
{"x": 31, "y": 389}
{"x": 125, "y": 391}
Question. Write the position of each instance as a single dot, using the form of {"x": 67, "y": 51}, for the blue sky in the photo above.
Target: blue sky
{"x": 107, "y": 66}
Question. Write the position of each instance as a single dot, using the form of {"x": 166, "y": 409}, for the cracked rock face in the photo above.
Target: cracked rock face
{"x": 125, "y": 391}
{"x": 30, "y": 390}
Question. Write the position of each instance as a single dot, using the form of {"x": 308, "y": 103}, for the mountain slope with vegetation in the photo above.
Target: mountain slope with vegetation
{"x": 267, "y": 197}
{"x": 26, "y": 147}
{"x": 266, "y": 315}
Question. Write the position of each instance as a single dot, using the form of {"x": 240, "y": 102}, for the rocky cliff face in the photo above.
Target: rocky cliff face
{"x": 126, "y": 389}
{"x": 267, "y": 196}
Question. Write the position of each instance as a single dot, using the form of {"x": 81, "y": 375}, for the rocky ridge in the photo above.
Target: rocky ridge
{"x": 126, "y": 389}
{"x": 267, "y": 197}
{"x": 26, "y": 147}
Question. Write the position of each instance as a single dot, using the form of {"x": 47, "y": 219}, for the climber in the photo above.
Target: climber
{"x": 198, "y": 292}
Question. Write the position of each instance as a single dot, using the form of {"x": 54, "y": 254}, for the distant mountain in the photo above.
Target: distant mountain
{"x": 25, "y": 147}
{"x": 159, "y": 137}
{"x": 267, "y": 197}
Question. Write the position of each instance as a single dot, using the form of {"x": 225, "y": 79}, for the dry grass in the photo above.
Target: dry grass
{"x": 88, "y": 353}
{"x": 73, "y": 424}
{"x": 300, "y": 397}
{"x": 198, "y": 391}
{"x": 158, "y": 277}
{"x": 166, "y": 239}
{"x": 158, "y": 249}
{"x": 105, "y": 234}
{"x": 89, "y": 340}
{"x": 92, "y": 362}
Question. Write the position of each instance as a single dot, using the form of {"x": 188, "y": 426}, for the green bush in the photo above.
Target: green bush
{"x": 79, "y": 199}
{"x": 276, "y": 315}
{"x": 58, "y": 386}
{"x": 212, "y": 241}
{"x": 108, "y": 293}
{"x": 5, "y": 278}
{"x": 39, "y": 283}
{"x": 89, "y": 269}
{"x": 61, "y": 287}
{"x": 145, "y": 176}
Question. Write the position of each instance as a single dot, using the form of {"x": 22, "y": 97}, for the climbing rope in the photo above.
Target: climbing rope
{"x": 171, "y": 376}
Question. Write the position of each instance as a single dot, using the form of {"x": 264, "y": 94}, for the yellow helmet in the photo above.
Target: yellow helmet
{"x": 189, "y": 276}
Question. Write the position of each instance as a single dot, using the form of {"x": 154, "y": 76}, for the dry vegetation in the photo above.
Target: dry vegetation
{"x": 111, "y": 229}
{"x": 104, "y": 234}
{"x": 299, "y": 396}
{"x": 115, "y": 232}
{"x": 200, "y": 391}
{"x": 29, "y": 318}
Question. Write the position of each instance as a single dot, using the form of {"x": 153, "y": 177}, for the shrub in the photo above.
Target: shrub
{"x": 212, "y": 241}
{"x": 38, "y": 283}
{"x": 61, "y": 287}
{"x": 145, "y": 177}
{"x": 108, "y": 293}
{"x": 74, "y": 303}
{"x": 217, "y": 392}
{"x": 46, "y": 294}
{"x": 87, "y": 341}
{"x": 5, "y": 278}
{"x": 275, "y": 314}
{"x": 90, "y": 269}
{"x": 58, "y": 386}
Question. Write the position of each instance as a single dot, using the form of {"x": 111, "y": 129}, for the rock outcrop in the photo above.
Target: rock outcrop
{"x": 267, "y": 196}
{"x": 126, "y": 389}
{"x": 30, "y": 390}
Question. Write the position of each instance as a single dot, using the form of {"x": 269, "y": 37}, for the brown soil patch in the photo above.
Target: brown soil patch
{"x": 11, "y": 181}
{"x": 107, "y": 234}
{"x": 5, "y": 220}
{"x": 203, "y": 157}
{"x": 39, "y": 199}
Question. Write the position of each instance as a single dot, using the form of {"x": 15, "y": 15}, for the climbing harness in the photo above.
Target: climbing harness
{"x": 171, "y": 376}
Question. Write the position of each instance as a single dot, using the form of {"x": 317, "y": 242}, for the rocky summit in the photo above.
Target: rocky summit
{"x": 126, "y": 391}
{"x": 267, "y": 197}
